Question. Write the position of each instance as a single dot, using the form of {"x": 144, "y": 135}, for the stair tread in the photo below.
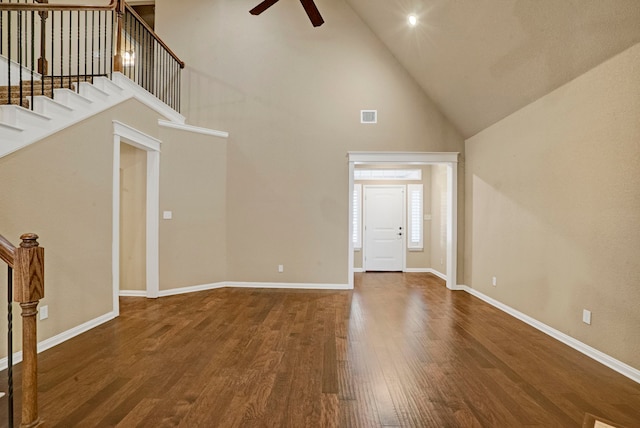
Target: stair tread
{"x": 11, "y": 95}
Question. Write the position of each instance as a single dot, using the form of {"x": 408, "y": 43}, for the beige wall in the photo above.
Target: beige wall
{"x": 439, "y": 208}
{"x": 290, "y": 95}
{"x": 193, "y": 187}
{"x": 133, "y": 217}
{"x": 553, "y": 208}
{"x": 61, "y": 189}
{"x": 68, "y": 178}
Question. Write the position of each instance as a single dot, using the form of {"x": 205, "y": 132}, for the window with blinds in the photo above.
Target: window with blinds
{"x": 415, "y": 214}
{"x": 357, "y": 216}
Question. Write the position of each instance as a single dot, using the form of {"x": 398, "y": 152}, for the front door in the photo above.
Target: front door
{"x": 384, "y": 230}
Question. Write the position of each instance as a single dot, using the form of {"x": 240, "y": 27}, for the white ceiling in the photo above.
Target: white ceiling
{"x": 481, "y": 60}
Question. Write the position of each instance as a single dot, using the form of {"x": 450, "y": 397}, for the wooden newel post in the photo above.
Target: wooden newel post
{"x": 28, "y": 289}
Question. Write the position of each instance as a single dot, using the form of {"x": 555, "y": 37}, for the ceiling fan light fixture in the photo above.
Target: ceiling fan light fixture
{"x": 412, "y": 20}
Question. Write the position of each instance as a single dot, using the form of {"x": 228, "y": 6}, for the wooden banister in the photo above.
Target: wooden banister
{"x": 154, "y": 35}
{"x": 45, "y": 7}
{"x": 7, "y": 251}
{"x": 116, "y": 5}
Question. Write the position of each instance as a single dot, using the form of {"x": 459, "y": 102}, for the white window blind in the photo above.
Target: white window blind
{"x": 357, "y": 216}
{"x": 415, "y": 212}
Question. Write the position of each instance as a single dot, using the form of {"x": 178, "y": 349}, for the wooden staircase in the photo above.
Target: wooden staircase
{"x": 12, "y": 94}
{"x": 54, "y": 108}
{"x": 58, "y": 108}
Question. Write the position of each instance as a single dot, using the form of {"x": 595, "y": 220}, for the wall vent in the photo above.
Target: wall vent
{"x": 368, "y": 116}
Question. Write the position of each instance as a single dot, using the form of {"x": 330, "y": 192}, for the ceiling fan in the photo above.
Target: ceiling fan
{"x": 309, "y": 7}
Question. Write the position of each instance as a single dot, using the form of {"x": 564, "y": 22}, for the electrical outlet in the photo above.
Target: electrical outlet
{"x": 442, "y": 260}
{"x": 586, "y": 316}
{"x": 494, "y": 281}
{"x": 167, "y": 215}
{"x": 44, "y": 312}
{"x": 280, "y": 268}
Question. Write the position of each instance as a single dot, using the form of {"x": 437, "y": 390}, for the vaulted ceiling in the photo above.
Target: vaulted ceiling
{"x": 481, "y": 60}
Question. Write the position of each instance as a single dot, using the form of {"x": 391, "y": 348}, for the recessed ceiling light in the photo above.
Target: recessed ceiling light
{"x": 413, "y": 20}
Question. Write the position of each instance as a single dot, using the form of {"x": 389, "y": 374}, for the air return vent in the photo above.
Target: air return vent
{"x": 368, "y": 116}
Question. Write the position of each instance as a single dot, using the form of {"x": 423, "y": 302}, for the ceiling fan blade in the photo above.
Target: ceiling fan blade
{"x": 266, "y": 4}
{"x": 312, "y": 12}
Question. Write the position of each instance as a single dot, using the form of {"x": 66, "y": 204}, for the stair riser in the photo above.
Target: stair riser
{"x": 45, "y": 87}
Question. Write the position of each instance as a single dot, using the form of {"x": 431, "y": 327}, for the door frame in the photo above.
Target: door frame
{"x": 123, "y": 133}
{"x": 450, "y": 159}
{"x": 404, "y": 220}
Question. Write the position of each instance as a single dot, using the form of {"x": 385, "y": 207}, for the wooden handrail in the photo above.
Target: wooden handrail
{"x": 155, "y": 36}
{"x": 45, "y": 7}
{"x": 7, "y": 251}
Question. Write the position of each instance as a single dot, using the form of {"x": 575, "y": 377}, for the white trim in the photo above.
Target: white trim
{"x": 191, "y": 289}
{"x": 426, "y": 270}
{"x": 128, "y": 135}
{"x": 115, "y": 227}
{"x": 288, "y": 285}
{"x": 147, "y": 98}
{"x": 413, "y": 158}
{"x": 601, "y": 357}
{"x": 358, "y": 270}
{"x": 194, "y": 129}
{"x": 452, "y": 225}
{"x": 350, "y": 256}
{"x": 270, "y": 285}
{"x": 133, "y": 293}
{"x": 62, "y": 337}
{"x": 136, "y": 138}
{"x": 153, "y": 224}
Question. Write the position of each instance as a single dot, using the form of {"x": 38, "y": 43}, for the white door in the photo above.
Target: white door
{"x": 384, "y": 230}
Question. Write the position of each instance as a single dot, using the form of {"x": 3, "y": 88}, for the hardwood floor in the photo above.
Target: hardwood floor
{"x": 400, "y": 350}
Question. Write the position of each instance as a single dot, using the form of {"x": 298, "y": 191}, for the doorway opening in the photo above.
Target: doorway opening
{"x": 132, "y": 139}
{"x": 133, "y": 201}
{"x": 448, "y": 163}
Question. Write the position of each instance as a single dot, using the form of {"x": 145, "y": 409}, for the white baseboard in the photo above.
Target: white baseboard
{"x": 617, "y": 365}
{"x": 132, "y": 293}
{"x": 62, "y": 337}
{"x": 191, "y": 289}
{"x": 426, "y": 270}
{"x": 213, "y": 286}
{"x": 289, "y": 285}
{"x": 358, "y": 270}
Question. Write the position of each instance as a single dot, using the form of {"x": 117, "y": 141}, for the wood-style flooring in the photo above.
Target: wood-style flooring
{"x": 399, "y": 351}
